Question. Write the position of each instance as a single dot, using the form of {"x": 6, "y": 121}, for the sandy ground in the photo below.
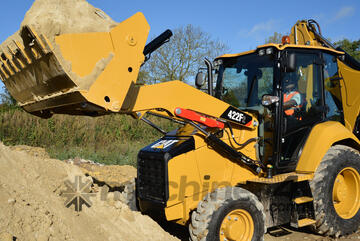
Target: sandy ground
{"x": 32, "y": 206}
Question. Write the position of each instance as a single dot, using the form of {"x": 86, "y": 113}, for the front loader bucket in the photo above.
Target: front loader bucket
{"x": 79, "y": 74}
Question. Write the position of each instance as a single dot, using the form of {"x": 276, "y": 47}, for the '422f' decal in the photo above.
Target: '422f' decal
{"x": 236, "y": 115}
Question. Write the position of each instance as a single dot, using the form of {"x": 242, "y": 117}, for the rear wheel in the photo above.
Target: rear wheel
{"x": 230, "y": 213}
{"x": 336, "y": 192}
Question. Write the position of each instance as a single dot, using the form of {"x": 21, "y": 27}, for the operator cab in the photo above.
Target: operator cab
{"x": 289, "y": 90}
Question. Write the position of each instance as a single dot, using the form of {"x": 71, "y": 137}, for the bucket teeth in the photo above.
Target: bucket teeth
{"x": 4, "y": 74}
{"x": 10, "y": 63}
{"x": 17, "y": 61}
{"x": 35, "y": 42}
{"x": 21, "y": 52}
{"x": 5, "y": 64}
{"x": 16, "y": 56}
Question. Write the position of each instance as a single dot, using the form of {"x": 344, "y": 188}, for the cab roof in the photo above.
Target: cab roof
{"x": 281, "y": 47}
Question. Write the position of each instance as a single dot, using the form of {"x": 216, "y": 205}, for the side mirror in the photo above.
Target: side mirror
{"x": 288, "y": 62}
{"x": 200, "y": 79}
{"x": 268, "y": 100}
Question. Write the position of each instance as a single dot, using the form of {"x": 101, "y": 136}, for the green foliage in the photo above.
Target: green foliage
{"x": 111, "y": 139}
{"x": 351, "y": 47}
{"x": 181, "y": 58}
{"x": 6, "y": 98}
{"x": 276, "y": 38}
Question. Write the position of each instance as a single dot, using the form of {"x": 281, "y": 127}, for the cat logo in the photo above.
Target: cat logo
{"x": 163, "y": 144}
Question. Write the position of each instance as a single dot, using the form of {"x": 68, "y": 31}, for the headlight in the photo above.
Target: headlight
{"x": 261, "y": 52}
{"x": 269, "y": 51}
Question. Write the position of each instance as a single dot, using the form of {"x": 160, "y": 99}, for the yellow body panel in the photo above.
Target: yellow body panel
{"x": 114, "y": 82}
{"x": 321, "y": 138}
{"x": 194, "y": 174}
{"x": 76, "y": 48}
{"x": 350, "y": 89}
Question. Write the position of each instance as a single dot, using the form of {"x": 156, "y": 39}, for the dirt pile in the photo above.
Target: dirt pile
{"x": 56, "y": 17}
{"x": 112, "y": 175}
{"x": 32, "y": 208}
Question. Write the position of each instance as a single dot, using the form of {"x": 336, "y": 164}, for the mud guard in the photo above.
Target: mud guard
{"x": 321, "y": 138}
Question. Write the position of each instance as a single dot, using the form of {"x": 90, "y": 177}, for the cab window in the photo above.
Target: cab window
{"x": 332, "y": 89}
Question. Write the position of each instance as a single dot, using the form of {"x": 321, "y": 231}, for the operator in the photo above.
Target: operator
{"x": 292, "y": 98}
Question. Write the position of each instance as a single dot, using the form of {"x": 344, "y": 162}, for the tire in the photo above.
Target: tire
{"x": 210, "y": 221}
{"x": 336, "y": 192}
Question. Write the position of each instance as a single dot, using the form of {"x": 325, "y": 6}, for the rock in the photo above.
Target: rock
{"x": 118, "y": 205}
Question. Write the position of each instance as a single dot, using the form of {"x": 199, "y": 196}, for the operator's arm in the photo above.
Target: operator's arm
{"x": 294, "y": 101}
{"x": 289, "y": 104}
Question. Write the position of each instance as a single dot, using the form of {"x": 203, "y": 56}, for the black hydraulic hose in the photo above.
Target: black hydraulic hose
{"x": 168, "y": 118}
{"x": 241, "y": 145}
{"x": 153, "y": 125}
{"x": 349, "y": 60}
{"x": 312, "y": 21}
{"x": 318, "y": 34}
{"x": 215, "y": 142}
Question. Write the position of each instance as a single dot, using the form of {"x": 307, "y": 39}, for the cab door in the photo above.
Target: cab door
{"x": 296, "y": 125}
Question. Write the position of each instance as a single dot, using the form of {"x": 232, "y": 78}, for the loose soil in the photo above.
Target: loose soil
{"x": 32, "y": 208}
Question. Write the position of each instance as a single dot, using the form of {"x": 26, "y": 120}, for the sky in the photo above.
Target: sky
{"x": 242, "y": 25}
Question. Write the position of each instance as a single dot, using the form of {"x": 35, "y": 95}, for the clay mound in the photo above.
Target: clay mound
{"x": 32, "y": 208}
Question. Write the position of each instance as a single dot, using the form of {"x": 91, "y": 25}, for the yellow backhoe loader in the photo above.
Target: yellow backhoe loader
{"x": 273, "y": 140}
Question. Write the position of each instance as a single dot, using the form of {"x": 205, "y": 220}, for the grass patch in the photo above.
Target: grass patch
{"x": 110, "y": 139}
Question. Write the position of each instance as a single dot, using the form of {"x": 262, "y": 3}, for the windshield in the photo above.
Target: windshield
{"x": 242, "y": 81}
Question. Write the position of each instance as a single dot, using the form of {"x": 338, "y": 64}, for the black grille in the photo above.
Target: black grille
{"x": 152, "y": 177}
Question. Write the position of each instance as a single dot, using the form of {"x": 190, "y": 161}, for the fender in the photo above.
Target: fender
{"x": 321, "y": 138}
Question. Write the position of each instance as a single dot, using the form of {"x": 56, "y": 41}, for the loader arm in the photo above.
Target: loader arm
{"x": 165, "y": 97}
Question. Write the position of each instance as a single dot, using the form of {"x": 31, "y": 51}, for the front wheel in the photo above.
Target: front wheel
{"x": 336, "y": 191}
{"x": 230, "y": 213}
